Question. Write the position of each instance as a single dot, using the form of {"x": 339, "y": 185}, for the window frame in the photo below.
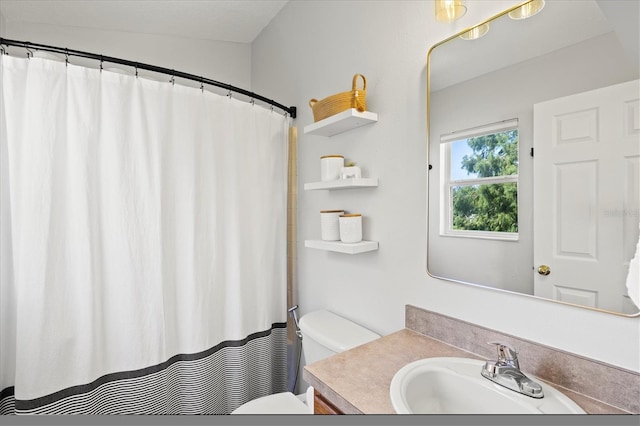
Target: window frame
{"x": 447, "y": 184}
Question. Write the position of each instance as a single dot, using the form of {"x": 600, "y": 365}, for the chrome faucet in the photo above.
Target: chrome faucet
{"x": 506, "y": 372}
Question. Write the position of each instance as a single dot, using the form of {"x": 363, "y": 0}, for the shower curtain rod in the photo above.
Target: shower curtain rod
{"x": 291, "y": 110}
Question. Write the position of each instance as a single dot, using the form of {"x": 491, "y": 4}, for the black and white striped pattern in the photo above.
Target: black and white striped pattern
{"x": 215, "y": 381}
{"x": 7, "y": 401}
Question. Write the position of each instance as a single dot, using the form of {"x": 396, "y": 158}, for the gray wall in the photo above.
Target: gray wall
{"x": 3, "y": 26}
{"x": 222, "y": 61}
{"x": 312, "y": 49}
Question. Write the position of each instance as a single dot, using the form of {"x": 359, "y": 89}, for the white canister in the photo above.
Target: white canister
{"x": 329, "y": 224}
{"x": 330, "y": 167}
{"x": 350, "y": 228}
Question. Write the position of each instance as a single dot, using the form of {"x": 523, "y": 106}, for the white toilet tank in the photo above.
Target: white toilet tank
{"x": 325, "y": 333}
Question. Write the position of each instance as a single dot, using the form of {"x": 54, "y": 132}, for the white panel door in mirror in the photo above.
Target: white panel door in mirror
{"x": 586, "y": 224}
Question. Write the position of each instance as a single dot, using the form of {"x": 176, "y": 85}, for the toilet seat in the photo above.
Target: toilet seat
{"x": 279, "y": 403}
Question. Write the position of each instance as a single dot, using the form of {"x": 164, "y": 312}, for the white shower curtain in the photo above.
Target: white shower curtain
{"x": 143, "y": 245}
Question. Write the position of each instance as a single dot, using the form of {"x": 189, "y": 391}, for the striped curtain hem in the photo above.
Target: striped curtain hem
{"x": 214, "y": 381}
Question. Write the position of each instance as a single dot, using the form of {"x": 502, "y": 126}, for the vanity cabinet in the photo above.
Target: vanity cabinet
{"x": 338, "y": 123}
{"x": 322, "y": 406}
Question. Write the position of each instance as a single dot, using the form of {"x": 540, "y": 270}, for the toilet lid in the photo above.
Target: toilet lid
{"x": 279, "y": 403}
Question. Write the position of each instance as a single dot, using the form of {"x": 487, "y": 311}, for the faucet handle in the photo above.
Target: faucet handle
{"x": 506, "y": 354}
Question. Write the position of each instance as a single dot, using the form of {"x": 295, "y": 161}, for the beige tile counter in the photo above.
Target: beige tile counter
{"x": 357, "y": 381}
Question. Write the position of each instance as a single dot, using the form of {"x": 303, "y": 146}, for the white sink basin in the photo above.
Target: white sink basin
{"x": 454, "y": 386}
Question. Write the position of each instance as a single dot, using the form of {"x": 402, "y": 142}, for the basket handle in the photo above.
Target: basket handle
{"x": 312, "y": 102}
{"x": 355, "y": 80}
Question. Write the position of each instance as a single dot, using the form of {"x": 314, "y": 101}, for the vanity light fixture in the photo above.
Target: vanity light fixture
{"x": 527, "y": 10}
{"x": 449, "y": 10}
{"x": 475, "y": 32}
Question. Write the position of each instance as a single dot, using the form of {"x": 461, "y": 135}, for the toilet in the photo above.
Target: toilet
{"x": 323, "y": 334}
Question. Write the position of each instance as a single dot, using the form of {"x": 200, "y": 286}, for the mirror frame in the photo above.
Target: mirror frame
{"x": 430, "y": 168}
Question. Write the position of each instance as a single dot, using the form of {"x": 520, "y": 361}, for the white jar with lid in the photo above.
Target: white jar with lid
{"x": 330, "y": 167}
{"x": 329, "y": 225}
{"x": 350, "y": 228}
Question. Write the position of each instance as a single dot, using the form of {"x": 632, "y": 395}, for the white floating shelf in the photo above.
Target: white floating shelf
{"x": 342, "y": 184}
{"x": 341, "y": 122}
{"x": 337, "y": 246}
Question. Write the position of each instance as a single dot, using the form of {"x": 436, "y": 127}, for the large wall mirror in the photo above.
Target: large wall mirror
{"x": 534, "y": 147}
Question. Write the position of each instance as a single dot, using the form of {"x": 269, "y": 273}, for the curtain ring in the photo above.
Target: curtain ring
{"x": 101, "y": 62}
{"x": 66, "y": 57}
{"x": 29, "y": 53}
{"x": 252, "y": 101}
{"x": 202, "y": 84}
{"x": 136, "y": 68}
{"x": 229, "y": 94}
{"x": 173, "y": 78}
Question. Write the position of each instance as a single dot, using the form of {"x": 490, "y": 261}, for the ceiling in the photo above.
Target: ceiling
{"x": 239, "y": 21}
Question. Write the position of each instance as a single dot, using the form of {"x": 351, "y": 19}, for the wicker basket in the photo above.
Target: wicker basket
{"x": 331, "y": 105}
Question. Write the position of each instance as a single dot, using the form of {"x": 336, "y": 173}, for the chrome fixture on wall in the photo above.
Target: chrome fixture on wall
{"x": 505, "y": 371}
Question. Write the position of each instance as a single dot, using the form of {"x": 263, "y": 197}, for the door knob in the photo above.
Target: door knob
{"x": 544, "y": 270}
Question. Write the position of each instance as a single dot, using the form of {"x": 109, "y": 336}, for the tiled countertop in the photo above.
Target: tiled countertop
{"x": 357, "y": 381}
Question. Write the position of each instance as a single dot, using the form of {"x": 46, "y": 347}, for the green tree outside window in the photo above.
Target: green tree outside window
{"x": 492, "y": 206}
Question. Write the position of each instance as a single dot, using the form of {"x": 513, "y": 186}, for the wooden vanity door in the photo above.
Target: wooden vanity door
{"x": 322, "y": 406}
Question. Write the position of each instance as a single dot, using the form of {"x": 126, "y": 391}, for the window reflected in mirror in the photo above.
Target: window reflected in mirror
{"x": 480, "y": 182}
